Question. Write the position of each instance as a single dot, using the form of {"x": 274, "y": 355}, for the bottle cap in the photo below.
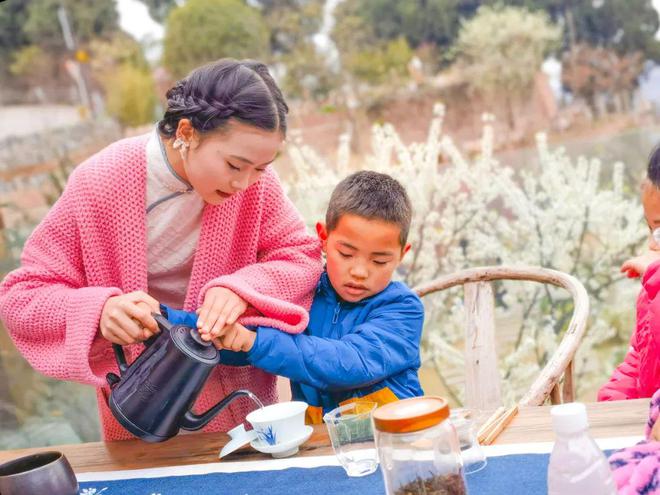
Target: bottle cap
{"x": 408, "y": 415}
{"x": 569, "y": 418}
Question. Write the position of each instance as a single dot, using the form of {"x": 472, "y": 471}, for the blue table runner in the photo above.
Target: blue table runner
{"x": 504, "y": 475}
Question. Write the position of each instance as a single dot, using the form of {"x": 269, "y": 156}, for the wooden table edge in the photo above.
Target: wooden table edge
{"x": 532, "y": 424}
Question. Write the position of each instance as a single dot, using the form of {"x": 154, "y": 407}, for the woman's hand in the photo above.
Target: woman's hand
{"x": 635, "y": 267}
{"x": 127, "y": 319}
{"x": 221, "y": 307}
{"x": 235, "y": 338}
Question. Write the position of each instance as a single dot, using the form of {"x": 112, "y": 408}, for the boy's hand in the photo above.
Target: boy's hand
{"x": 221, "y": 307}
{"x": 127, "y": 319}
{"x": 235, "y": 338}
{"x": 635, "y": 267}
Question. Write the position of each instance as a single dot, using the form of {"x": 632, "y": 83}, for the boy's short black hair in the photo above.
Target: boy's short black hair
{"x": 371, "y": 195}
{"x": 653, "y": 169}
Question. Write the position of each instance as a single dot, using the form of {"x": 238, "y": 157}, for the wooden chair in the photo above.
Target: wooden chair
{"x": 482, "y": 379}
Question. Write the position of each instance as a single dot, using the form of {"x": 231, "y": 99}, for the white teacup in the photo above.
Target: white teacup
{"x": 279, "y": 423}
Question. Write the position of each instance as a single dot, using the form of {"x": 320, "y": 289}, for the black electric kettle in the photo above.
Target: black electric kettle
{"x": 153, "y": 396}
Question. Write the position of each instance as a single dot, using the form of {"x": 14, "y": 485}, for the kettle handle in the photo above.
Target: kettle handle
{"x": 163, "y": 323}
{"x": 120, "y": 357}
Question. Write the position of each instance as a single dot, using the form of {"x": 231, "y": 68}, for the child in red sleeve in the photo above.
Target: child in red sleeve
{"x": 639, "y": 374}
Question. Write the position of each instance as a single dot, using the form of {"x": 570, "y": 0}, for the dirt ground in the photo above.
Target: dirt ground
{"x": 21, "y": 120}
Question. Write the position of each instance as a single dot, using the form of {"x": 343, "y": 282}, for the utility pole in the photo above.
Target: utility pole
{"x": 570, "y": 27}
{"x": 74, "y": 66}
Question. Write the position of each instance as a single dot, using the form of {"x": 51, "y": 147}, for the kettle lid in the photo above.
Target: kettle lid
{"x": 189, "y": 342}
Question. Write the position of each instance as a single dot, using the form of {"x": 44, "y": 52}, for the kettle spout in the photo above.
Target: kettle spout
{"x": 192, "y": 421}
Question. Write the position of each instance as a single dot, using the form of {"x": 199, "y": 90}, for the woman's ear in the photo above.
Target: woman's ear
{"x": 322, "y": 234}
{"x": 186, "y": 132}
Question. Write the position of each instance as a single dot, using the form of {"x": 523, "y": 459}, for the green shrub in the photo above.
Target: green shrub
{"x": 130, "y": 96}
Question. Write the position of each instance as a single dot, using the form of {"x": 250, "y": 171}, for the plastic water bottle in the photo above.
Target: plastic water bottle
{"x": 577, "y": 465}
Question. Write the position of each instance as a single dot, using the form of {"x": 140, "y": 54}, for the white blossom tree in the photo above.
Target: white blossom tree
{"x": 558, "y": 213}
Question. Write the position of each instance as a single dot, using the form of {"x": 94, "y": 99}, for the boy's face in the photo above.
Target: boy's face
{"x": 651, "y": 204}
{"x": 361, "y": 255}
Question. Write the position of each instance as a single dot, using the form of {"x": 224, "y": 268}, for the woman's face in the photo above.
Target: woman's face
{"x": 220, "y": 164}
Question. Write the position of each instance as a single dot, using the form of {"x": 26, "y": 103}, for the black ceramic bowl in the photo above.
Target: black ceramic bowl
{"x": 46, "y": 472}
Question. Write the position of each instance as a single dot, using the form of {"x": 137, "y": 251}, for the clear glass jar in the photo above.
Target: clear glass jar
{"x": 418, "y": 448}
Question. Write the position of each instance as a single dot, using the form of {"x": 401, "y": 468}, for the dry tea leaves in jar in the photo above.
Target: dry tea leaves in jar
{"x": 448, "y": 484}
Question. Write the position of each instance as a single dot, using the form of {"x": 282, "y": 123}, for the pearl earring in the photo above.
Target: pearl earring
{"x": 179, "y": 143}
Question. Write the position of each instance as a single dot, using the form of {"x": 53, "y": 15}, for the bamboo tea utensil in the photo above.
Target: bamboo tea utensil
{"x": 500, "y": 425}
{"x": 484, "y": 429}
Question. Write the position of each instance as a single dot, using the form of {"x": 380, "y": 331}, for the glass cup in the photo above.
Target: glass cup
{"x": 352, "y": 437}
{"x": 465, "y": 422}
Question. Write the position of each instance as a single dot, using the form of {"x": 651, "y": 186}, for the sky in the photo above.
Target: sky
{"x": 134, "y": 18}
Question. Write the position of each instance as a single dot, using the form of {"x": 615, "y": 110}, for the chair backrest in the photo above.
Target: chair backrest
{"x": 482, "y": 379}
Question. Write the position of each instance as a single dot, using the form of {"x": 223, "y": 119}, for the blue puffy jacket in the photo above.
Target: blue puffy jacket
{"x": 368, "y": 349}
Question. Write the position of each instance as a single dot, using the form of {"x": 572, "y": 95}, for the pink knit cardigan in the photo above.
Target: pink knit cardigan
{"x": 638, "y": 376}
{"x": 92, "y": 245}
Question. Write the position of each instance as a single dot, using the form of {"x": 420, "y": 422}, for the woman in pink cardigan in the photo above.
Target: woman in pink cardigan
{"x": 191, "y": 215}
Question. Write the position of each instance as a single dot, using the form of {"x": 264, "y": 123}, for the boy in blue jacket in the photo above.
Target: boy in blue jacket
{"x": 364, "y": 331}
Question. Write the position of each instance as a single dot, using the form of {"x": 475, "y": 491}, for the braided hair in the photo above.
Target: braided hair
{"x": 226, "y": 89}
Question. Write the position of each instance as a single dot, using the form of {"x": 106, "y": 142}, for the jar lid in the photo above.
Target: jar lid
{"x": 408, "y": 415}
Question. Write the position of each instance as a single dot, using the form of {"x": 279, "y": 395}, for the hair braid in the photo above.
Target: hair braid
{"x": 211, "y": 95}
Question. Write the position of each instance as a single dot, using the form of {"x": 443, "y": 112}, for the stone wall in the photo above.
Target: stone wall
{"x": 33, "y": 171}
{"x": 35, "y": 410}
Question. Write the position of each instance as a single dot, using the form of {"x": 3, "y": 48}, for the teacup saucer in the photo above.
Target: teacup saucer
{"x": 284, "y": 449}
{"x": 239, "y": 437}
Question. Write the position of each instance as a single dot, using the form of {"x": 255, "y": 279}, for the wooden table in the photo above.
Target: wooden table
{"x": 532, "y": 424}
